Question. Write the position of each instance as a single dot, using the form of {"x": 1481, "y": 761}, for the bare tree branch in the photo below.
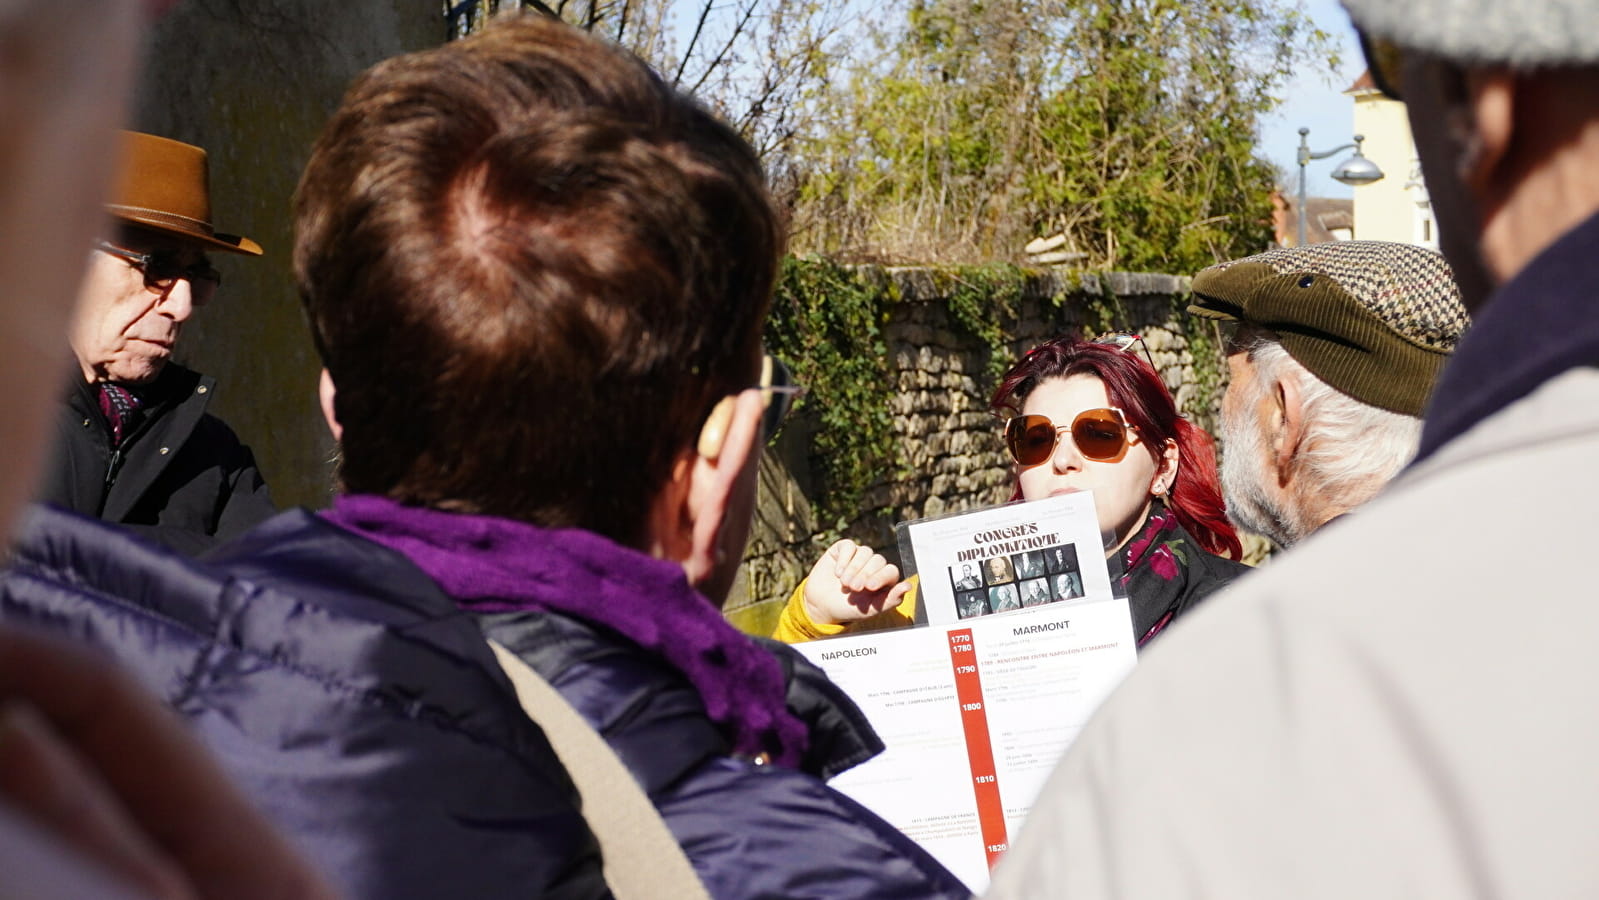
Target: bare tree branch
{"x": 693, "y": 42}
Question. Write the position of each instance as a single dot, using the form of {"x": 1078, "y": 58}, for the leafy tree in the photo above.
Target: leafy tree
{"x": 1126, "y": 125}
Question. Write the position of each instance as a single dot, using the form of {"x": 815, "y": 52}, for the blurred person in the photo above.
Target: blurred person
{"x": 134, "y": 443}
{"x": 1333, "y": 350}
{"x": 1410, "y": 691}
{"x": 102, "y": 794}
{"x": 1068, "y": 586}
{"x": 1082, "y": 415}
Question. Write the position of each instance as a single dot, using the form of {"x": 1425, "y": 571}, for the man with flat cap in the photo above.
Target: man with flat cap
{"x": 136, "y": 445}
{"x": 1404, "y": 705}
{"x": 1333, "y": 350}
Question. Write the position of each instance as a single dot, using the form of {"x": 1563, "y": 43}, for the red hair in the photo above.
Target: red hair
{"x": 1133, "y": 386}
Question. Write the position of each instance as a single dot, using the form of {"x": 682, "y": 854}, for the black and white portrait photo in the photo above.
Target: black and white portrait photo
{"x": 968, "y": 579}
{"x": 1061, "y": 559}
{"x": 1036, "y": 592}
{"x": 971, "y": 604}
{"x": 1003, "y": 598}
{"x": 1068, "y": 586}
{"x": 998, "y": 570}
{"x": 1029, "y": 564}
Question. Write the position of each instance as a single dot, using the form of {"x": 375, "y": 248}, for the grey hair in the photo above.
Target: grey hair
{"x": 1350, "y": 449}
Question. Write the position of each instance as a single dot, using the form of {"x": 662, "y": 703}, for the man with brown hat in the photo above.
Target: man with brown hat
{"x": 1404, "y": 705}
{"x": 136, "y": 445}
{"x": 1334, "y": 349}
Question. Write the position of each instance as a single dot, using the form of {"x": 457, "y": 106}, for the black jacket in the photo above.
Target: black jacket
{"x": 182, "y": 477}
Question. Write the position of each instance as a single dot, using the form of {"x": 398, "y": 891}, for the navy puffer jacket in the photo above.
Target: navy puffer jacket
{"x": 340, "y": 688}
{"x": 750, "y": 831}
{"x": 365, "y": 714}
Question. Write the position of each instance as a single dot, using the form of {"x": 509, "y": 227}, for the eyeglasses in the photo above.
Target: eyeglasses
{"x": 163, "y": 268}
{"x": 777, "y": 396}
{"x": 1124, "y": 341}
{"x": 1386, "y": 63}
{"x": 778, "y": 393}
{"x": 1100, "y": 435}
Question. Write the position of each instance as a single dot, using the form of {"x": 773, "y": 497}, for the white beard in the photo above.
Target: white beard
{"x": 1244, "y": 478}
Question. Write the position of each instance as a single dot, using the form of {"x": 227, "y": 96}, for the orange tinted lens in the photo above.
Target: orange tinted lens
{"x": 1031, "y": 439}
{"x": 1099, "y": 434}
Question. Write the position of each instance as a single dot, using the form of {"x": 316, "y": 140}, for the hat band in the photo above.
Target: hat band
{"x": 156, "y": 216}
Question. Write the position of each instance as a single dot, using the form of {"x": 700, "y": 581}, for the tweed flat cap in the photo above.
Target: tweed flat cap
{"x": 1544, "y": 33}
{"x": 1373, "y": 319}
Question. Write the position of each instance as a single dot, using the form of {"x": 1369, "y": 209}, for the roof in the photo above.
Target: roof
{"x": 1365, "y": 84}
{"x": 1323, "y": 215}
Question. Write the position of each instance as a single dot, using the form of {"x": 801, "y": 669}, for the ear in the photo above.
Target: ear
{"x": 689, "y": 516}
{"x": 1287, "y": 426}
{"x": 325, "y": 392}
{"x": 1166, "y": 470}
{"x": 1491, "y": 106}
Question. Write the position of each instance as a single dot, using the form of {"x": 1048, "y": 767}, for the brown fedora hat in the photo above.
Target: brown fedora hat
{"x": 164, "y": 185}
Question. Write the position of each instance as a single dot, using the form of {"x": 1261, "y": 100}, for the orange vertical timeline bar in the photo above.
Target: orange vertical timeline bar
{"x": 979, "y": 750}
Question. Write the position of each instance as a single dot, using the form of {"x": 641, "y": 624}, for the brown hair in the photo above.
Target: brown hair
{"x": 531, "y": 269}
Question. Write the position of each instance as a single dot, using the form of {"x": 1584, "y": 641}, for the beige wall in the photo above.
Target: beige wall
{"x": 1395, "y": 208}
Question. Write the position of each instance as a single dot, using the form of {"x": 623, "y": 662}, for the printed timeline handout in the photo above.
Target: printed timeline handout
{"x": 1025, "y": 640}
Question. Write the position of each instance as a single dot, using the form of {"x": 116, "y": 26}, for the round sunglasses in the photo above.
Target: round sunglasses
{"x": 1100, "y": 435}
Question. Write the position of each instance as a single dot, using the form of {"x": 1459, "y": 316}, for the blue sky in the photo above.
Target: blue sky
{"x": 1316, "y": 101}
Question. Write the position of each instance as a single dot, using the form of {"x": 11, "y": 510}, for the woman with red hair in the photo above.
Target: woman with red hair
{"x": 1080, "y": 416}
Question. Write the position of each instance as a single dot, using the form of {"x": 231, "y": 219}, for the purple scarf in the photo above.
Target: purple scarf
{"x": 489, "y": 564}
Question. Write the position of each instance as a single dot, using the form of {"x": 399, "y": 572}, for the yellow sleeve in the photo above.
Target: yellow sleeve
{"x": 794, "y": 625}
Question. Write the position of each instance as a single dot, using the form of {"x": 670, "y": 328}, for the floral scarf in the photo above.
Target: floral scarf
{"x": 1166, "y": 572}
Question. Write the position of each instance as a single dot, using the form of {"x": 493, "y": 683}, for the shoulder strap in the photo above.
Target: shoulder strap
{"x": 641, "y": 858}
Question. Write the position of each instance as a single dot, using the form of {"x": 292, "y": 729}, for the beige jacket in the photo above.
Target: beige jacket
{"x": 1405, "y": 706}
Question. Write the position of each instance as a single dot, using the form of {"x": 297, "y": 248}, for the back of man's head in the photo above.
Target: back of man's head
{"x": 1503, "y": 99}
{"x": 531, "y": 269}
{"x": 1336, "y": 349}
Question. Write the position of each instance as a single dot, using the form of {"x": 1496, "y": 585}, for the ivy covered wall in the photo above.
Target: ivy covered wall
{"x": 899, "y": 365}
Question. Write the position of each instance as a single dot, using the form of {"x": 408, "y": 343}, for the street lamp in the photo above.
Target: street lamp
{"x": 1356, "y": 170}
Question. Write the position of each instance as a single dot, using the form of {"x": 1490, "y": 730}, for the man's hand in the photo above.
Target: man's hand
{"x": 851, "y": 582}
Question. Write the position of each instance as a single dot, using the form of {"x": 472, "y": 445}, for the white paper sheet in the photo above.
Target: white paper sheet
{"x": 976, "y": 711}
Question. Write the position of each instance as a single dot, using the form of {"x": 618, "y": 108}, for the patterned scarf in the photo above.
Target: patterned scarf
{"x": 122, "y": 408}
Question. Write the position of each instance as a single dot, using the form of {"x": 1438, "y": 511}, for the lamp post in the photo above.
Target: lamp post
{"x": 1356, "y": 170}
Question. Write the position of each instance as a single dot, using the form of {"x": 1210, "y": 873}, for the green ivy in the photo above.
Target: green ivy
{"x": 984, "y": 300}
{"x": 1103, "y": 312}
{"x": 1209, "y": 362}
{"x": 826, "y": 323}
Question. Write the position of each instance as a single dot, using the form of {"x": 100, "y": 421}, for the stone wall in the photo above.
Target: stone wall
{"x": 952, "y": 458}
